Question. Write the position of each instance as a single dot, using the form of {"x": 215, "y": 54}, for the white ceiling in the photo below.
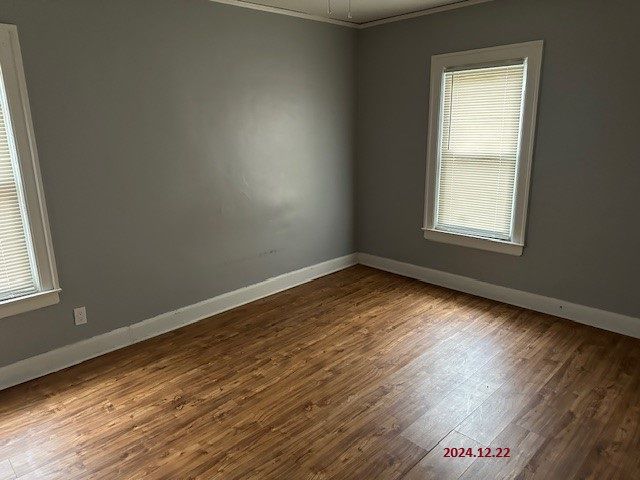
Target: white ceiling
{"x": 362, "y": 11}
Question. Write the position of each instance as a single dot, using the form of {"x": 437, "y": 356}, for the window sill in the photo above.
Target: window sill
{"x": 474, "y": 242}
{"x": 14, "y": 306}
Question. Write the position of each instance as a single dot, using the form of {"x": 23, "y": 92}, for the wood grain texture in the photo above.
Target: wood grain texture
{"x": 435, "y": 465}
{"x": 358, "y": 375}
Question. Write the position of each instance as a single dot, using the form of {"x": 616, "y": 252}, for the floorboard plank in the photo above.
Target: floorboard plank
{"x": 435, "y": 466}
{"x": 357, "y": 375}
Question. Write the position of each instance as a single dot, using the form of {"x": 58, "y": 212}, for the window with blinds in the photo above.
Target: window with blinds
{"x": 28, "y": 277}
{"x": 482, "y": 118}
{"x": 479, "y": 138}
{"x": 17, "y": 272}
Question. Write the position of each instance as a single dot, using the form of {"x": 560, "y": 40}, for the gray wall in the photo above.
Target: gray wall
{"x": 190, "y": 148}
{"x": 583, "y": 225}
{"x": 187, "y": 149}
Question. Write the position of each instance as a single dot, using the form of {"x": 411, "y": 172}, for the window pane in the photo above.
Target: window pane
{"x": 480, "y": 129}
{"x": 17, "y": 276}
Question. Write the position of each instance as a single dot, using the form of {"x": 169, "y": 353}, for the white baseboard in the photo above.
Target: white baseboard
{"x": 69, "y": 355}
{"x": 73, "y": 354}
{"x": 603, "y": 319}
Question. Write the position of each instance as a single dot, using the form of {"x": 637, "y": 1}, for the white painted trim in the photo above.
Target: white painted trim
{"x": 594, "y": 317}
{"x": 531, "y": 54}
{"x": 28, "y": 175}
{"x": 14, "y": 306}
{"x": 343, "y": 23}
{"x": 69, "y": 355}
{"x": 64, "y": 357}
{"x": 41, "y": 207}
{"x": 422, "y": 13}
{"x": 479, "y": 243}
{"x": 184, "y": 316}
{"x": 284, "y": 11}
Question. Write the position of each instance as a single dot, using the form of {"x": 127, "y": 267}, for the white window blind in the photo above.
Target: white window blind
{"x": 28, "y": 277}
{"x": 480, "y": 123}
{"x": 17, "y": 274}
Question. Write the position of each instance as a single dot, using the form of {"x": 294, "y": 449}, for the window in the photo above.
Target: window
{"x": 482, "y": 120}
{"x": 28, "y": 277}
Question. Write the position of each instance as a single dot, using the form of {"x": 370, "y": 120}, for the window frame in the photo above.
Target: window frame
{"x": 531, "y": 53}
{"x": 29, "y": 178}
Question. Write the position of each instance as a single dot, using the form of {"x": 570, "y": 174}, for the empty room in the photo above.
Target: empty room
{"x": 319, "y": 239}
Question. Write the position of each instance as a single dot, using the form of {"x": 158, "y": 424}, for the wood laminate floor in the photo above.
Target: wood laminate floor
{"x": 357, "y": 375}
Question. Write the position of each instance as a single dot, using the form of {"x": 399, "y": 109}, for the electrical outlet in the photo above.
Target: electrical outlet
{"x": 80, "y": 315}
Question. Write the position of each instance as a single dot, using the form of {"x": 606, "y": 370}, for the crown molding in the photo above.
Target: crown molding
{"x": 342, "y": 23}
{"x": 284, "y": 11}
{"x": 422, "y": 13}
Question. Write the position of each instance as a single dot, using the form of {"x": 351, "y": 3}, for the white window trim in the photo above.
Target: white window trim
{"x": 31, "y": 180}
{"x": 532, "y": 53}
